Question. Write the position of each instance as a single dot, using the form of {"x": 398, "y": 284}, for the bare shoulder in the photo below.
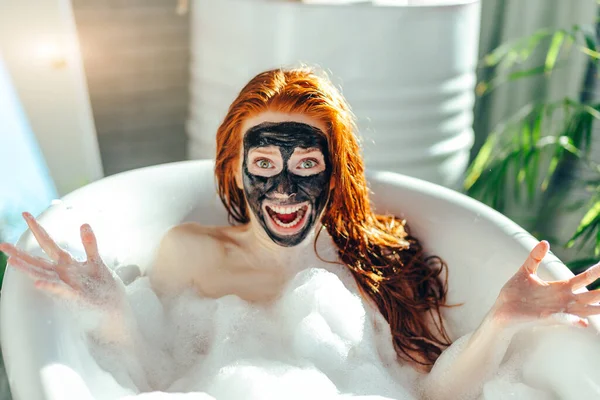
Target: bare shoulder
{"x": 186, "y": 252}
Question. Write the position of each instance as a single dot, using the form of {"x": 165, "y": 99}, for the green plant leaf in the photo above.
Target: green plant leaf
{"x": 3, "y": 262}
{"x": 514, "y": 51}
{"x": 480, "y": 162}
{"x": 524, "y": 73}
{"x": 591, "y": 217}
{"x": 593, "y": 111}
{"x": 527, "y": 134}
{"x": 507, "y": 55}
{"x": 536, "y": 132}
{"x": 526, "y": 149}
{"x": 576, "y": 205}
{"x": 552, "y": 55}
{"x": 499, "y": 202}
{"x": 580, "y": 132}
{"x": 597, "y": 245}
{"x": 567, "y": 144}
{"x": 500, "y": 79}
{"x": 592, "y": 53}
{"x": 579, "y": 125}
{"x": 552, "y": 166}
{"x": 532, "y": 160}
{"x": 591, "y": 48}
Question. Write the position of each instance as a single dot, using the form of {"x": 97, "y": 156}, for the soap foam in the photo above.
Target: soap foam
{"x": 319, "y": 340}
{"x": 316, "y": 341}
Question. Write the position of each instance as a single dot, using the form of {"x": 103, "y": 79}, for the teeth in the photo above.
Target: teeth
{"x": 285, "y": 210}
{"x": 288, "y": 210}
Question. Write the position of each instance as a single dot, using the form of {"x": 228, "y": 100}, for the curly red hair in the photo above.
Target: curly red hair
{"x": 388, "y": 264}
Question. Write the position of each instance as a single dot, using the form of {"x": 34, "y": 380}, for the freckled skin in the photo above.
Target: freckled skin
{"x": 287, "y": 136}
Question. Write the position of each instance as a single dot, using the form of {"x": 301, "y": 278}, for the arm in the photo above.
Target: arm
{"x": 525, "y": 299}
{"x": 91, "y": 286}
{"x": 175, "y": 264}
{"x": 121, "y": 347}
{"x": 461, "y": 370}
{"x": 187, "y": 257}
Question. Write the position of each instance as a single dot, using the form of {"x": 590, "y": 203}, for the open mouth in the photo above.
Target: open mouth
{"x": 287, "y": 219}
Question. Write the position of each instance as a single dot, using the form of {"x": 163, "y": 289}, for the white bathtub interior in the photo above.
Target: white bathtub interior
{"x": 131, "y": 211}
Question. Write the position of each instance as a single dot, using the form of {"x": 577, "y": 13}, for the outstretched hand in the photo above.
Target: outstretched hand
{"x": 527, "y": 298}
{"x": 89, "y": 281}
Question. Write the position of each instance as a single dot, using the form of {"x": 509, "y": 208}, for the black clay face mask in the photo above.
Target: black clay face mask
{"x": 286, "y": 174}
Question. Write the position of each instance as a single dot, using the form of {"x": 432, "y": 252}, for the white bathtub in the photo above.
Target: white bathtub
{"x": 131, "y": 211}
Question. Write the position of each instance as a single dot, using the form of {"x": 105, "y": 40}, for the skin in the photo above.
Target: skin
{"x": 245, "y": 261}
{"x": 286, "y": 164}
{"x": 214, "y": 260}
{"x": 524, "y": 300}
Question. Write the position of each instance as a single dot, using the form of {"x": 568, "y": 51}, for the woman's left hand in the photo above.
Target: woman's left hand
{"x": 528, "y": 298}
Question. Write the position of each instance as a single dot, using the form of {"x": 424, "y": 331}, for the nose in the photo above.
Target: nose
{"x": 281, "y": 196}
{"x": 285, "y": 188}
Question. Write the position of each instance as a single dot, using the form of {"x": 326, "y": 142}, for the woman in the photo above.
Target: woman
{"x": 288, "y": 170}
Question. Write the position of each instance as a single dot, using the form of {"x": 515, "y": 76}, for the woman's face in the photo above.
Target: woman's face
{"x": 285, "y": 174}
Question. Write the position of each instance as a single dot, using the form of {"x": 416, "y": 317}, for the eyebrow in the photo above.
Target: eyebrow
{"x": 300, "y": 150}
{"x": 266, "y": 150}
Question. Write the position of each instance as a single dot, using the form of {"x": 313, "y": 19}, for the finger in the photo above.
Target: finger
{"x": 567, "y": 319}
{"x": 535, "y": 257}
{"x": 585, "y": 278}
{"x": 583, "y": 322}
{"x": 56, "y": 288}
{"x": 590, "y": 297}
{"x": 90, "y": 244}
{"x": 16, "y": 253}
{"x": 584, "y": 310}
{"x": 46, "y": 243}
{"x": 32, "y": 271}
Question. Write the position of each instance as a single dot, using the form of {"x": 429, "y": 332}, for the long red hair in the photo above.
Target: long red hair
{"x": 388, "y": 264}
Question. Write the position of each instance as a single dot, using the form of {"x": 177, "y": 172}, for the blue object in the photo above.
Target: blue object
{"x": 25, "y": 183}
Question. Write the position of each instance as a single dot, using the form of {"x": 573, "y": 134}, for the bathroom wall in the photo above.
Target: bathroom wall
{"x": 136, "y": 56}
{"x": 41, "y": 55}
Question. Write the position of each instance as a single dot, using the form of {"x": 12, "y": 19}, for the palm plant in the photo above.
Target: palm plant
{"x": 533, "y": 163}
{"x": 4, "y": 224}
{"x": 3, "y": 261}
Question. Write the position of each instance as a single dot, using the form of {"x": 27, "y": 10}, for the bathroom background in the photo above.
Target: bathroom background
{"x": 496, "y": 98}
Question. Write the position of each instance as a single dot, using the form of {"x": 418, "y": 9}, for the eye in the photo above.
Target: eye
{"x": 307, "y": 164}
{"x": 263, "y": 163}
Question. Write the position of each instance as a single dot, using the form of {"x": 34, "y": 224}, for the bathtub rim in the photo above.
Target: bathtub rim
{"x": 556, "y": 268}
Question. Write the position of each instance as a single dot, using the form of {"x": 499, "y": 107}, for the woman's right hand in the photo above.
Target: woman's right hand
{"x": 89, "y": 282}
